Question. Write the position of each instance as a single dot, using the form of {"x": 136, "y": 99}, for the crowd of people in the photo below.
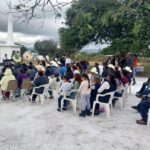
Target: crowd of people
{"x": 88, "y": 81}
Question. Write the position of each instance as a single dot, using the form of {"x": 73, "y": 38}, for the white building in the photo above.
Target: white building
{"x": 8, "y": 47}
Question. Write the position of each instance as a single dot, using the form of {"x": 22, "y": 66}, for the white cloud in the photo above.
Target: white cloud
{"x": 28, "y": 34}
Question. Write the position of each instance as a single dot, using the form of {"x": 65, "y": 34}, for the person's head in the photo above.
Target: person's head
{"x": 96, "y": 79}
{"x": 21, "y": 70}
{"x": 41, "y": 73}
{"x": 66, "y": 78}
{"x": 135, "y": 56}
{"x": 8, "y": 72}
{"x": 56, "y": 75}
{"x": 77, "y": 77}
{"x": 43, "y": 63}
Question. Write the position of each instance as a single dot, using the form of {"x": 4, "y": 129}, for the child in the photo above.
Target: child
{"x": 85, "y": 91}
{"x": 64, "y": 89}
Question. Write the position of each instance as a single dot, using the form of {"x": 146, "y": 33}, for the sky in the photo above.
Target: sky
{"x": 28, "y": 34}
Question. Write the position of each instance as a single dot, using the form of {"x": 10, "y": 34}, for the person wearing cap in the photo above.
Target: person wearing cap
{"x": 4, "y": 81}
{"x": 107, "y": 86}
{"x": 94, "y": 74}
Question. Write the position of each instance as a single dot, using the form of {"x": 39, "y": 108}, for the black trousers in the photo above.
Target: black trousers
{"x": 59, "y": 101}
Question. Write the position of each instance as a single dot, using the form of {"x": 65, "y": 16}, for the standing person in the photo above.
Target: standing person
{"x": 135, "y": 65}
{"x": 84, "y": 90}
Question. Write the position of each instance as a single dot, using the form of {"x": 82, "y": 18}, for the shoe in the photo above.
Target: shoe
{"x": 96, "y": 113}
{"x": 135, "y": 107}
{"x": 141, "y": 122}
{"x": 88, "y": 113}
{"x": 82, "y": 114}
{"x": 64, "y": 108}
{"x": 58, "y": 109}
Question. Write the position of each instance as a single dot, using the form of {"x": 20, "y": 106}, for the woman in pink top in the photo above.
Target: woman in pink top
{"x": 84, "y": 90}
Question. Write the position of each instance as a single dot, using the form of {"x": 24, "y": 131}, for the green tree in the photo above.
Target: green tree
{"x": 46, "y": 47}
{"x": 123, "y": 23}
{"x": 22, "y": 50}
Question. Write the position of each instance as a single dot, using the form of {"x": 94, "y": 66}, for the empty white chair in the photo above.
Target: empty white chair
{"x": 121, "y": 99}
{"x": 148, "y": 120}
{"x": 107, "y": 106}
{"x": 73, "y": 99}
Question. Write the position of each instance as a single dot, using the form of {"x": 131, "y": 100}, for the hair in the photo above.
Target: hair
{"x": 97, "y": 79}
{"x": 66, "y": 77}
{"x": 43, "y": 63}
{"x": 41, "y": 73}
{"x": 69, "y": 72}
{"x": 56, "y": 75}
{"x": 87, "y": 78}
{"x": 77, "y": 77}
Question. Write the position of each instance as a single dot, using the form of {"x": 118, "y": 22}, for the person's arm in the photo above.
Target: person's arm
{"x": 104, "y": 86}
{"x": 75, "y": 85}
{"x": 80, "y": 88}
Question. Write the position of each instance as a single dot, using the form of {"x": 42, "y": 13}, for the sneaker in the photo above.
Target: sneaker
{"x": 135, "y": 107}
{"x": 88, "y": 113}
{"x": 82, "y": 114}
{"x": 64, "y": 108}
{"x": 58, "y": 109}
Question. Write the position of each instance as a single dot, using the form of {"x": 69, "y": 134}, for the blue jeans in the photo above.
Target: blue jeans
{"x": 144, "y": 106}
{"x": 85, "y": 102}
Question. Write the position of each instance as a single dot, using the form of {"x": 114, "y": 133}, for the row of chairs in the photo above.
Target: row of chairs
{"x": 26, "y": 84}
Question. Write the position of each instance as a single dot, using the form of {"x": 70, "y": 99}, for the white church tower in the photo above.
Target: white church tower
{"x": 7, "y": 48}
{"x": 10, "y": 40}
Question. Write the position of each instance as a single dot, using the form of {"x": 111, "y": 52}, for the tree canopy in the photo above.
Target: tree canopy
{"x": 123, "y": 23}
{"x": 46, "y": 47}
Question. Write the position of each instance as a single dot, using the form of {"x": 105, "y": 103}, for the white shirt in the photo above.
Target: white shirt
{"x": 104, "y": 86}
{"x": 65, "y": 88}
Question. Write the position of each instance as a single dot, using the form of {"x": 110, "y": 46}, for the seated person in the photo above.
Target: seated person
{"x": 64, "y": 89}
{"x": 22, "y": 74}
{"x": 143, "y": 108}
{"x": 145, "y": 89}
{"x": 4, "y": 82}
{"x": 94, "y": 89}
{"x": 41, "y": 80}
{"x": 108, "y": 85}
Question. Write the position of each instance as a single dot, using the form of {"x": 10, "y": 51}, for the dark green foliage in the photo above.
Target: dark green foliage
{"x": 46, "y": 47}
{"x": 123, "y": 23}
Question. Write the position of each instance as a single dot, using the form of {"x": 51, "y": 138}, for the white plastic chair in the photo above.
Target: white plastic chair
{"x": 108, "y": 106}
{"x": 121, "y": 99}
{"x": 148, "y": 120}
{"x": 55, "y": 92}
{"x": 72, "y": 100}
{"x": 41, "y": 96}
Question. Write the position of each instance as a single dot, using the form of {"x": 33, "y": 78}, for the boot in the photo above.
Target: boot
{"x": 82, "y": 114}
{"x": 88, "y": 113}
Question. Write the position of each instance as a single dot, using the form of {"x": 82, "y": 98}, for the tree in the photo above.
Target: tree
{"x": 46, "y": 47}
{"x": 123, "y": 23}
{"x": 29, "y": 9}
{"x": 22, "y": 50}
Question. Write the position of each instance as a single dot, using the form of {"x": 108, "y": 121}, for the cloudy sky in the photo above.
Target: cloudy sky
{"x": 27, "y": 34}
